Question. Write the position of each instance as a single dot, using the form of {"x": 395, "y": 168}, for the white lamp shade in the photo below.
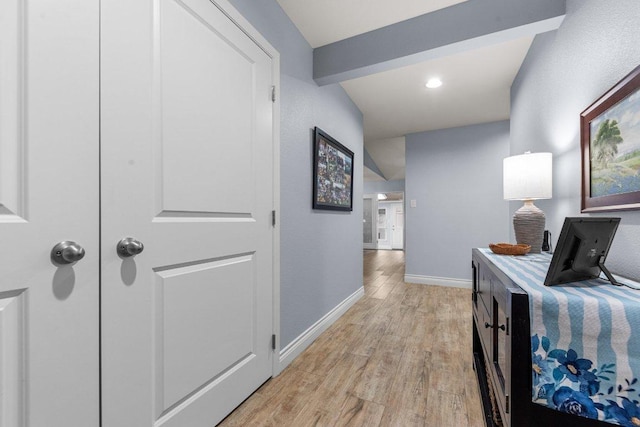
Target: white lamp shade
{"x": 528, "y": 177}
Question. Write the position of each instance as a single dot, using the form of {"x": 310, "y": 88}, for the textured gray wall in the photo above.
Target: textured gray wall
{"x": 455, "y": 176}
{"x": 321, "y": 251}
{"x": 564, "y": 72}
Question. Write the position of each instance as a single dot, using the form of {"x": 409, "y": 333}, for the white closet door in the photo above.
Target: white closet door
{"x": 187, "y": 170}
{"x": 49, "y": 71}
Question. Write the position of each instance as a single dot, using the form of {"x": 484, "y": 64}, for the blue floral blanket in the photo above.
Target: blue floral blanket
{"x": 585, "y": 342}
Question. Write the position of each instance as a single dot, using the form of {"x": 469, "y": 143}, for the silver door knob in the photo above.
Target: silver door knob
{"x": 129, "y": 247}
{"x": 67, "y": 252}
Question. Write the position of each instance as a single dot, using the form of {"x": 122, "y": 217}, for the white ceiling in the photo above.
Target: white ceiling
{"x": 394, "y": 103}
{"x": 326, "y": 21}
{"x": 475, "y": 89}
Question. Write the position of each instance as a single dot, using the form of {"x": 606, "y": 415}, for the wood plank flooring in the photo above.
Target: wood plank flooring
{"x": 401, "y": 356}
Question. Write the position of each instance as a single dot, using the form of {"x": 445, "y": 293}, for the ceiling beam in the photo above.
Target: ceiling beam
{"x": 465, "y": 26}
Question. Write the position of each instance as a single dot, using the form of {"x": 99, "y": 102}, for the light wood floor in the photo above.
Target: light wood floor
{"x": 401, "y": 356}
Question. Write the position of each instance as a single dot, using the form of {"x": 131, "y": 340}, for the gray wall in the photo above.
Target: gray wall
{"x": 321, "y": 251}
{"x": 383, "y": 186}
{"x": 564, "y": 72}
{"x": 455, "y": 176}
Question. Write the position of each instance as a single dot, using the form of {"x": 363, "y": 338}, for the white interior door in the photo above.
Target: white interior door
{"x": 49, "y": 68}
{"x": 397, "y": 241}
{"x": 187, "y": 169}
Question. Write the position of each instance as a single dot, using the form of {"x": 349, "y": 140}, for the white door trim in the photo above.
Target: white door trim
{"x": 242, "y": 23}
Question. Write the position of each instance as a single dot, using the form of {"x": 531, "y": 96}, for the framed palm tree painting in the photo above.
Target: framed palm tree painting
{"x": 610, "y": 141}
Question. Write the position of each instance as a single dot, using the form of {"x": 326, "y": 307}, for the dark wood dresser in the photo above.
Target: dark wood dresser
{"x": 502, "y": 352}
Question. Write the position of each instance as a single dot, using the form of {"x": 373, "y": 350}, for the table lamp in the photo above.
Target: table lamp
{"x": 528, "y": 177}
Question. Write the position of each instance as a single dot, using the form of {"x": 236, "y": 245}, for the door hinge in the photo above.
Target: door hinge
{"x": 273, "y": 94}
{"x": 273, "y": 218}
{"x": 506, "y": 403}
{"x": 273, "y": 341}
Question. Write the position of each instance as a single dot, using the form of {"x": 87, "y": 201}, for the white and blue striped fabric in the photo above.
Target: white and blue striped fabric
{"x": 585, "y": 342}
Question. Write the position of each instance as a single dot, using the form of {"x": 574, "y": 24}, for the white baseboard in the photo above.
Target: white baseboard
{"x": 440, "y": 281}
{"x": 305, "y": 339}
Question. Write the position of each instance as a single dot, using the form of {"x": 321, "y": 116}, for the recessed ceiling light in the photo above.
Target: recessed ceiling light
{"x": 434, "y": 83}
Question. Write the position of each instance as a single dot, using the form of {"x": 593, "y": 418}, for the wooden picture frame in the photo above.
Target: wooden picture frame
{"x": 610, "y": 144}
{"x": 332, "y": 173}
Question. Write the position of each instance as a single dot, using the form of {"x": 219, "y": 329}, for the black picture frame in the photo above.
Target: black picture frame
{"x": 606, "y": 134}
{"x": 332, "y": 173}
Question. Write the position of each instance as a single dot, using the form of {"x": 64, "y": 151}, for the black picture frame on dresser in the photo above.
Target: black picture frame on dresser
{"x": 493, "y": 293}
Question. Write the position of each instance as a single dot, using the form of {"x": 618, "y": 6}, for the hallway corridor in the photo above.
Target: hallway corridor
{"x": 401, "y": 356}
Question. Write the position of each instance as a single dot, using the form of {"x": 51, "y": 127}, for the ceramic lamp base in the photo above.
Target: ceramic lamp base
{"x": 528, "y": 224}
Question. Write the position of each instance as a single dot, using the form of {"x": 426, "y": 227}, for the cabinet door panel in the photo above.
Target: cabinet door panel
{"x": 484, "y": 329}
{"x": 485, "y": 288}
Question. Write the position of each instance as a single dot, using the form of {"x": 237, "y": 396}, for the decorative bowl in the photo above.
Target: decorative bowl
{"x": 509, "y": 249}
